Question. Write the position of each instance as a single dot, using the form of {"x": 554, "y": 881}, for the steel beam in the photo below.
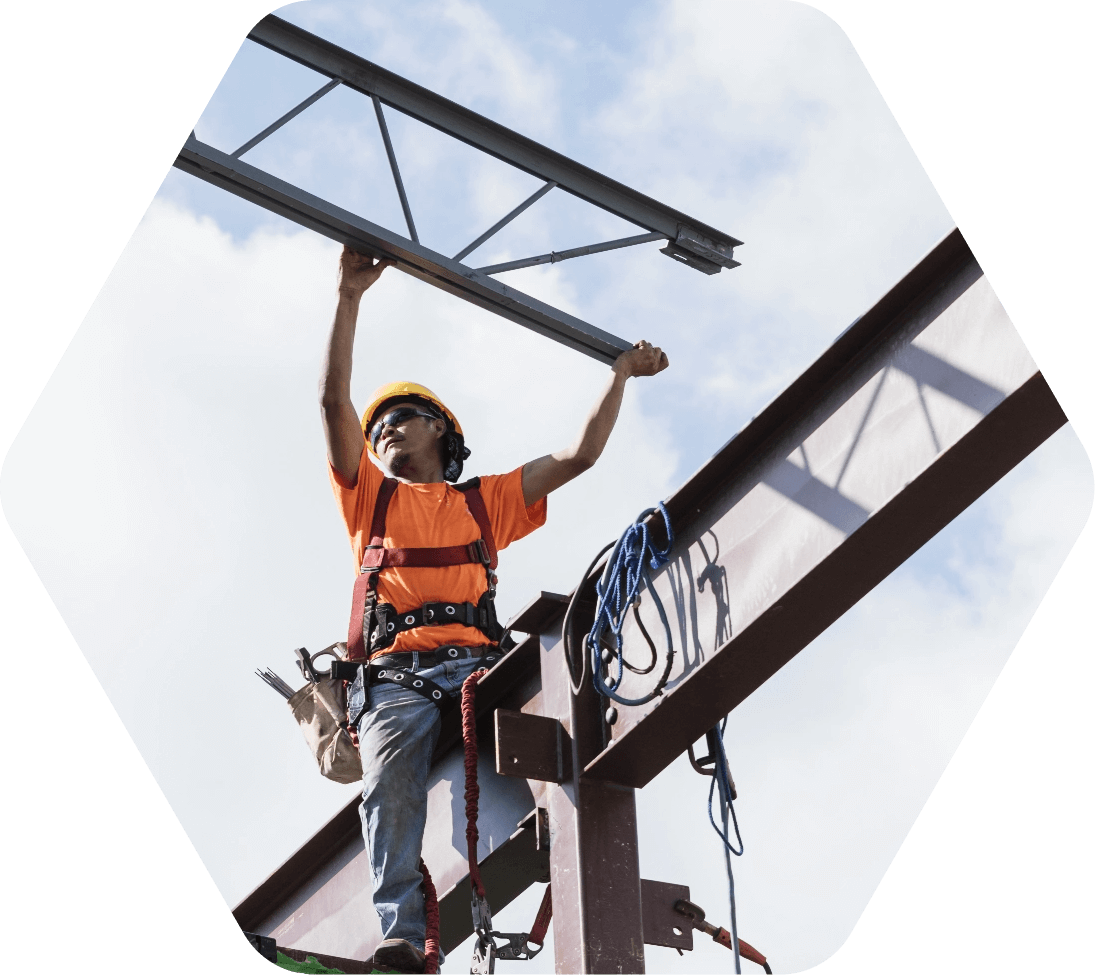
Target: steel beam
{"x": 461, "y": 123}
{"x": 918, "y": 409}
{"x": 250, "y": 183}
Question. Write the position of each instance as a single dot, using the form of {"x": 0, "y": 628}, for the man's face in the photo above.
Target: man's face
{"x": 413, "y": 438}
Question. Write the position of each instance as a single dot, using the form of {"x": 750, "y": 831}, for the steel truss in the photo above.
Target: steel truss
{"x": 686, "y": 240}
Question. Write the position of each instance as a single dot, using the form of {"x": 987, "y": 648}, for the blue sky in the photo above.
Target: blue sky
{"x": 773, "y": 133}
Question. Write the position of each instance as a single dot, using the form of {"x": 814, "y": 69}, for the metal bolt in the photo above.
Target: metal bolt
{"x": 610, "y": 716}
{"x": 606, "y": 656}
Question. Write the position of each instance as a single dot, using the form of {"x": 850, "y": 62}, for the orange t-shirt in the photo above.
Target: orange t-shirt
{"x": 433, "y": 516}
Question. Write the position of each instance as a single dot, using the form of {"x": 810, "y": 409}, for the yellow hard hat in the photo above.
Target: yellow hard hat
{"x": 398, "y": 391}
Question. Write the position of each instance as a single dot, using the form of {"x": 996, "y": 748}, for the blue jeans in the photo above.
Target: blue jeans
{"x": 398, "y": 729}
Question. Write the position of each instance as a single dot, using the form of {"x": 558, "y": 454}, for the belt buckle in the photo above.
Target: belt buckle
{"x": 478, "y": 552}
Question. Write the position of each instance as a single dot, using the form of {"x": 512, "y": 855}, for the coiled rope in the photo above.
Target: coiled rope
{"x": 627, "y": 571}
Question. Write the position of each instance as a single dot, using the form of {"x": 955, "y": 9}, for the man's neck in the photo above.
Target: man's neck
{"x": 411, "y": 473}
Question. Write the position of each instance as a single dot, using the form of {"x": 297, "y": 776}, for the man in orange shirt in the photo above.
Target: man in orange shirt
{"x": 418, "y": 440}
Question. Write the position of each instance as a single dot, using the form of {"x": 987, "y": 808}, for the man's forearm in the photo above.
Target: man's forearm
{"x": 590, "y": 442}
{"x": 345, "y": 441}
{"x": 542, "y": 476}
{"x": 334, "y": 383}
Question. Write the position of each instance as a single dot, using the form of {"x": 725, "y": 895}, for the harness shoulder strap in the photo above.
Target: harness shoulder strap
{"x": 380, "y": 510}
{"x": 478, "y": 509}
{"x": 365, "y": 584}
{"x": 378, "y": 557}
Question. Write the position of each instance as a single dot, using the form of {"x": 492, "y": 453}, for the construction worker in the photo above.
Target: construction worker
{"x": 412, "y": 434}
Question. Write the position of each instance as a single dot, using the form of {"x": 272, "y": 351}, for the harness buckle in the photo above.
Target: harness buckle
{"x": 365, "y": 566}
{"x": 434, "y": 614}
{"x": 478, "y": 552}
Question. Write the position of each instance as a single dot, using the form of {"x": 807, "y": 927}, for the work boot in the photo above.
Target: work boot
{"x": 400, "y": 955}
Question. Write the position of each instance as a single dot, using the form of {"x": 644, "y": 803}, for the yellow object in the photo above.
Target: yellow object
{"x": 402, "y": 390}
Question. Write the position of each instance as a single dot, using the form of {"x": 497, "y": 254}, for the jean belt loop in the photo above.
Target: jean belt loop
{"x": 414, "y": 662}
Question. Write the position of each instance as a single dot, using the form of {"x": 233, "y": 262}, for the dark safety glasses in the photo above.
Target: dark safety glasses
{"x": 393, "y": 419}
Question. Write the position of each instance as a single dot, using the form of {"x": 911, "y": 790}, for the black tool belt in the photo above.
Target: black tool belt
{"x": 388, "y": 623}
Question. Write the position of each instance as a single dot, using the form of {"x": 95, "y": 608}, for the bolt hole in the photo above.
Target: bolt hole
{"x": 678, "y": 932}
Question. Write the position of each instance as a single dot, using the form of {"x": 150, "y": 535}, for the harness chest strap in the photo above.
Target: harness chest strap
{"x": 482, "y": 551}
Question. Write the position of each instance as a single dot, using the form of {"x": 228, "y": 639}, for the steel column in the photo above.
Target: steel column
{"x": 595, "y": 886}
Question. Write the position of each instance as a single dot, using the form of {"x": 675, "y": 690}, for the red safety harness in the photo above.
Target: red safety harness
{"x": 374, "y": 626}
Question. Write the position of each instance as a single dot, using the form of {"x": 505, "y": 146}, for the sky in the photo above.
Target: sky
{"x": 212, "y": 321}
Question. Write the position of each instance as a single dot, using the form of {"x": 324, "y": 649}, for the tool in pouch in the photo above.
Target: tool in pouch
{"x": 319, "y": 707}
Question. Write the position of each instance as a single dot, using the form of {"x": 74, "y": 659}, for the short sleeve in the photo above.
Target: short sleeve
{"x": 356, "y": 501}
{"x": 510, "y": 518}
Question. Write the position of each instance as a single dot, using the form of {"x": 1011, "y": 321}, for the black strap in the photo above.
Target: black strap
{"x": 379, "y": 674}
{"x": 388, "y": 624}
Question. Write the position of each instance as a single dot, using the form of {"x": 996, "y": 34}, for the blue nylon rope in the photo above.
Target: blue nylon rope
{"x": 627, "y": 571}
{"x": 726, "y": 803}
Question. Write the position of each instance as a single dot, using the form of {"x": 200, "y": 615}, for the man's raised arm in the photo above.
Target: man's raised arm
{"x": 543, "y": 475}
{"x": 341, "y": 424}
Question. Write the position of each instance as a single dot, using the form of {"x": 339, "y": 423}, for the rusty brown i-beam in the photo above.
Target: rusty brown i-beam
{"x": 916, "y": 410}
